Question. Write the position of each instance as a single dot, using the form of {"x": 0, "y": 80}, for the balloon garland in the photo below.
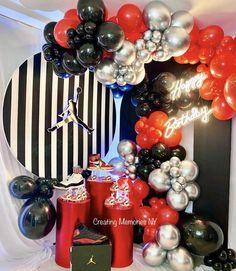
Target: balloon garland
{"x": 116, "y": 49}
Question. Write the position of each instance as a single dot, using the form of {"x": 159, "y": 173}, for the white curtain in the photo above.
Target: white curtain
{"x": 18, "y": 42}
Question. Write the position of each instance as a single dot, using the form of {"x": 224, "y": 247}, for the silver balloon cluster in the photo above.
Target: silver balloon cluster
{"x": 127, "y": 149}
{"x": 178, "y": 178}
{"x": 167, "y": 248}
{"x": 168, "y": 35}
{"x": 123, "y": 69}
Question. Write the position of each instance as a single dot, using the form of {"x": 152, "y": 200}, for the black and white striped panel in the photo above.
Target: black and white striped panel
{"x": 34, "y": 98}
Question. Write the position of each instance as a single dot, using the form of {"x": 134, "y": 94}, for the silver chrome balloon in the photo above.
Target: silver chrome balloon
{"x": 130, "y": 158}
{"x": 147, "y": 35}
{"x": 106, "y": 71}
{"x": 130, "y": 76}
{"x": 175, "y": 161}
{"x": 153, "y": 254}
{"x": 156, "y": 36}
{"x": 177, "y": 39}
{"x": 180, "y": 259}
{"x": 183, "y": 19}
{"x": 143, "y": 55}
{"x": 159, "y": 181}
{"x": 137, "y": 66}
{"x": 140, "y": 44}
{"x": 168, "y": 237}
{"x": 182, "y": 181}
{"x": 126, "y": 55}
{"x": 132, "y": 176}
{"x": 118, "y": 166}
{"x": 177, "y": 200}
{"x": 126, "y": 147}
{"x": 174, "y": 172}
{"x": 177, "y": 187}
{"x": 165, "y": 166}
{"x": 189, "y": 170}
{"x": 193, "y": 190}
{"x": 123, "y": 70}
{"x": 120, "y": 80}
{"x": 139, "y": 77}
{"x": 151, "y": 46}
{"x": 131, "y": 168}
{"x": 157, "y": 16}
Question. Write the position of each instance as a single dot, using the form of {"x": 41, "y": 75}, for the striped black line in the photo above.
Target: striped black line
{"x": 70, "y": 129}
{"x": 99, "y": 105}
{"x": 59, "y": 131}
{"x": 90, "y": 109}
{"x": 80, "y": 113}
{"x": 7, "y": 112}
{"x": 107, "y": 128}
{"x": 21, "y": 112}
{"x": 35, "y": 119}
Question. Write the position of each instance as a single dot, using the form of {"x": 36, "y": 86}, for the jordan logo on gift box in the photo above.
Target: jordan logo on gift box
{"x": 91, "y": 261}
{"x": 70, "y": 115}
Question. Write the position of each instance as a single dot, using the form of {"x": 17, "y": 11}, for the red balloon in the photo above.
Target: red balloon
{"x": 222, "y": 65}
{"x": 143, "y": 141}
{"x": 60, "y": 31}
{"x": 139, "y": 126}
{"x": 133, "y": 36}
{"x": 130, "y": 18}
{"x": 206, "y": 54}
{"x": 193, "y": 54}
{"x": 194, "y": 34}
{"x": 72, "y": 14}
{"x": 143, "y": 27}
{"x": 149, "y": 234}
{"x": 158, "y": 119}
{"x": 211, "y": 36}
{"x": 167, "y": 215}
{"x": 212, "y": 88}
{"x": 144, "y": 215}
{"x": 231, "y": 48}
{"x": 230, "y": 91}
{"x": 181, "y": 59}
{"x": 106, "y": 54}
{"x": 158, "y": 206}
{"x": 154, "y": 135}
{"x": 226, "y": 41}
{"x": 221, "y": 109}
{"x": 153, "y": 201}
{"x": 173, "y": 140}
{"x": 204, "y": 69}
{"x": 140, "y": 189}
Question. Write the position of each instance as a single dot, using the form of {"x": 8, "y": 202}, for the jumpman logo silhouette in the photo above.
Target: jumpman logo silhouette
{"x": 91, "y": 261}
{"x": 70, "y": 115}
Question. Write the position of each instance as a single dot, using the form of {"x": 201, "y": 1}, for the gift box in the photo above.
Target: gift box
{"x": 91, "y": 257}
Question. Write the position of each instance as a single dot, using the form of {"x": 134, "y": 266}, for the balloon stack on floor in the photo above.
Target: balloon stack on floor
{"x": 143, "y": 196}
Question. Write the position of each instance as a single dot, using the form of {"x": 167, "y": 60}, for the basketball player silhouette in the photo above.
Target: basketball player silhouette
{"x": 70, "y": 115}
{"x": 91, "y": 261}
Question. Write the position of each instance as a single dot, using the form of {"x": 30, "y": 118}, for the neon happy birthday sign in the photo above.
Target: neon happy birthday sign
{"x": 181, "y": 85}
{"x": 195, "y": 113}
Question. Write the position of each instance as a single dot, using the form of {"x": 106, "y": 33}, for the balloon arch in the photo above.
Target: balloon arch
{"x": 116, "y": 49}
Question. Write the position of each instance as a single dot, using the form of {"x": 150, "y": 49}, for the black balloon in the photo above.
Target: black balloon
{"x": 143, "y": 172}
{"x": 71, "y": 64}
{"x": 201, "y": 237}
{"x": 161, "y": 152}
{"x": 37, "y": 218}
{"x": 163, "y": 83}
{"x": 45, "y": 191}
{"x": 138, "y": 234}
{"x": 48, "y": 52}
{"x": 185, "y": 102}
{"x": 231, "y": 254}
{"x": 217, "y": 266}
{"x": 179, "y": 151}
{"x": 89, "y": 55}
{"x": 110, "y": 36}
{"x": 91, "y": 10}
{"x": 49, "y": 32}
{"x": 209, "y": 260}
{"x": 143, "y": 110}
{"x": 22, "y": 187}
{"x": 60, "y": 71}
{"x": 144, "y": 152}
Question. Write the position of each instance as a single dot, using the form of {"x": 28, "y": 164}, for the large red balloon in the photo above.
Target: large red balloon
{"x": 144, "y": 215}
{"x": 154, "y": 135}
{"x": 60, "y": 31}
{"x": 173, "y": 140}
{"x": 230, "y": 91}
{"x": 212, "y": 88}
{"x": 206, "y": 54}
{"x": 194, "y": 34}
{"x": 139, "y": 126}
{"x": 140, "y": 189}
{"x": 222, "y": 65}
{"x": 72, "y": 14}
{"x": 130, "y": 18}
{"x": 133, "y": 36}
{"x": 149, "y": 234}
{"x": 158, "y": 119}
{"x": 221, "y": 109}
{"x": 193, "y": 54}
{"x": 143, "y": 141}
{"x": 167, "y": 215}
{"x": 211, "y": 36}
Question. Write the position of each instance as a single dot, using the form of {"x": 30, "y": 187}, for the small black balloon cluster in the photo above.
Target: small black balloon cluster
{"x": 150, "y": 160}
{"x": 222, "y": 260}
{"x": 37, "y": 215}
{"x": 83, "y": 45}
{"x": 157, "y": 95}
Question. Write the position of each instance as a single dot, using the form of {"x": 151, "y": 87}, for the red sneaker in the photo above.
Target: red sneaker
{"x": 96, "y": 163}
